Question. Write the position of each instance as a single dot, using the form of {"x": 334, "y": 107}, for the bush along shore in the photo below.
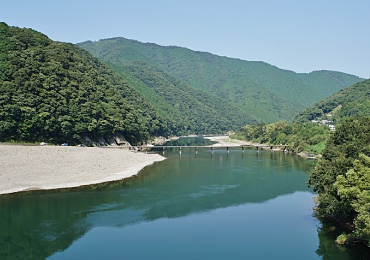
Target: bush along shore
{"x": 305, "y": 139}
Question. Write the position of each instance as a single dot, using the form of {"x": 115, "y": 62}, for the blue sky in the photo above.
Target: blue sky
{"x": 300, "y": 35}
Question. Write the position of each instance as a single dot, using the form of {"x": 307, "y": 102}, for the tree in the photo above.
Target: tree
{"x": 342, "y": 177}
{"x": 354, "y": 187}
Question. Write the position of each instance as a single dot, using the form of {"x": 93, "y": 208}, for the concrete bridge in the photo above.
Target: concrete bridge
{"x": 283, "y": 148}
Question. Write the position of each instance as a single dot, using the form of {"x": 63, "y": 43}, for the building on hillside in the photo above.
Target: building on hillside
{"x": 325, "y": 122}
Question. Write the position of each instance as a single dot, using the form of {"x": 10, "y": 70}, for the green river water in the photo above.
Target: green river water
{"x": 191, "y": 206}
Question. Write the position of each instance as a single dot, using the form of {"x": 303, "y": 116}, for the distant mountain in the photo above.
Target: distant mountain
{"x": 189, "y": 110}
{"x": 351, "y": 101}
{"x": 265, "y": 92}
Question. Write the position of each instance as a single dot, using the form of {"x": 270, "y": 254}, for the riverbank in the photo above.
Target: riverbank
{"x": 228, "y": 142}
{"x": 225, "y": 140}
{"x": 24, "y": 168}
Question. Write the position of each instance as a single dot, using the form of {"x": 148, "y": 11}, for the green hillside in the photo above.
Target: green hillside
{"x": 188, "y": 109}
{"x": 262, "y": 90}
{"x": 57, "y": 92}
{"x": 351, "y": 101}
{"x": 300, "y": 137}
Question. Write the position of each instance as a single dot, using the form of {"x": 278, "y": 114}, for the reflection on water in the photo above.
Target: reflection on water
{"x": 235, "y": 205}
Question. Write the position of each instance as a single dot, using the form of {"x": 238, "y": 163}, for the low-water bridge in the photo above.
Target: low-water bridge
{"x": 283, "y": 148}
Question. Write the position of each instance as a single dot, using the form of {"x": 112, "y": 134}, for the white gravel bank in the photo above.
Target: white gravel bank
{"x": 25, "y": 168}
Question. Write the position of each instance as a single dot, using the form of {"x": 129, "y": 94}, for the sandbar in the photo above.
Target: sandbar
{"x": 24, "y": 168}
{"x": 225, "y": 140}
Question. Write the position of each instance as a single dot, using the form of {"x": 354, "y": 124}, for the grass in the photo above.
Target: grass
{"x": 316, "y": 149}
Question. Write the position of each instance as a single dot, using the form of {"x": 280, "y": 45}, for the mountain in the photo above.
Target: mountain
{"x": 265, "y": 92}
{"x": 57, "y": 92}
{"x": 351, "y": 101}
{"x": 189, "y": 110}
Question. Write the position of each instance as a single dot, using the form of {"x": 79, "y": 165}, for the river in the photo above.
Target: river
{"x": 191, "y": 206}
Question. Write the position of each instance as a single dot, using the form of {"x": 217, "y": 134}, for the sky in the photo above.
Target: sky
{"x": 300, "y": 35}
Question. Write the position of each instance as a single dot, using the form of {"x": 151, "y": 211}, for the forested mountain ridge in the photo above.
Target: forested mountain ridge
{"x": 189, "y": 110}
{"x": 264, "y": 91}
{"x": 351, "y": 101}
{"x": 57, "y": 92}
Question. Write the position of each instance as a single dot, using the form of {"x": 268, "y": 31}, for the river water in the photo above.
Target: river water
{"x": 191, "y": 206}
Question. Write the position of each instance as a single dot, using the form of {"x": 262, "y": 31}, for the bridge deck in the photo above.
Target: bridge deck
{"x": 209, "y": 146}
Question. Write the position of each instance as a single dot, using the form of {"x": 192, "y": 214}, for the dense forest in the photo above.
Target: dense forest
{"x": 342, "y": 179}
{"x": 351, "y": 101}
{"x": 265, "y": 92}
{"x": 190, "y": 110}
{"x": 301, "y": 137}
{"x": 57, "y": 92}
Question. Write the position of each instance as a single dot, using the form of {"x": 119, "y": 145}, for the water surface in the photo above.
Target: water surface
{"x": 190, "y": 206}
